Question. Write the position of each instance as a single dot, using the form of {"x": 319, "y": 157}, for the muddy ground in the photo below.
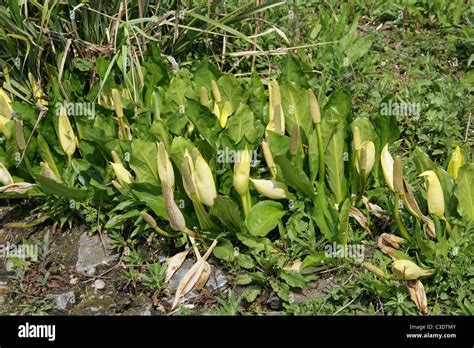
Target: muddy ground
{"x": 78, "y": 274}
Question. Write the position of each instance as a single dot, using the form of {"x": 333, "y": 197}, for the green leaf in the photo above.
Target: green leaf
{"x": 324, "y": 213}
{"x": 242, "y": 124}
{"x": 279, "y": 144}
{"x": 45, "y": 153}
{"x": 224, "y": 250}
{"x": 151, "y": 196}
{"x": 264, "y": 217}
{"x": 143, "y": 161}
{"x": 464, "y": 192}
{"x": 359, "y": 48}
{"x": 255, "y": 243}
{"x": 293, "y": 72}
{"x": 294, "y": 177}
{"x": 250, "y": 293}
{"x": 344, "y": 221}
{"x": 243, "y": 279}
{"x": 245, "y": 261}
{"x": 52, "y": 187}
{"x": 206, "y": 123}
{"x": 311, "y": 261}
{"x": 295, "y": 107}
{"x": 334, "y": 159}
{"x": 228, "y": 213}
{"x": 293, "y": 279}
{"x": 231, "y": 92}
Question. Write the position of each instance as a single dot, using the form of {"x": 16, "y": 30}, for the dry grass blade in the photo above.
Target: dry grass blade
{"x": 174, "y": 263}
{"x": 360, "y": 218}
{"x": 418, "y": 295}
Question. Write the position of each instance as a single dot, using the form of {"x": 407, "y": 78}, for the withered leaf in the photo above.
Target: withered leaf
{"x": 360, "y": 218}
{"x": 174, "y": 263}
{"x": 206, "y": 273}
{"x": 418, "y": 295}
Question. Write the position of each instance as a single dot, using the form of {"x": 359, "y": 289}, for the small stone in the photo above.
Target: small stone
{"x": 73, "y": 281}
{"x": 61, "y": 301}
{"x": 274, "y": 302}
{"x": 99, "y": 284}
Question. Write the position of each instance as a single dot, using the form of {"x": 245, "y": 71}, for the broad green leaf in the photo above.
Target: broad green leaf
{"x": 151, "y": 196}
{"x": 228, "y": 213}
{"x": 295, "y": 107}
{"x": 255, "y": 243}
{"x": 58, "y": 189}
{"x": 224, "y": 250}
{"x": 45, "y": 153}
{"x": 279, "y": 144}
{"x": 264, "y": 217}
{"x": 293, "y": 279}
{"x": 343, "y": 223}
{"x": 250, "y": 293}
{"x": 293, "y": 72}
{"x": 245, "y": 261}
{"x": 312, "y": 261}
{"x": 294, "y": 177}
{"x": 232, "y": 92}
{"x": 324, "y": 213}
{"x": 242, "y": 124}
{"x": 204, "y": 73}
{"x": 178, "y": 147}
{"x": 143, "y": 161}
{"x": 206, "y": 123}
{"x": 335, "y": 156}
{"x": 464, "y": 192}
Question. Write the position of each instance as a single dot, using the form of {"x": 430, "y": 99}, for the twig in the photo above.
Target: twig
{"x": 348, "y": 304}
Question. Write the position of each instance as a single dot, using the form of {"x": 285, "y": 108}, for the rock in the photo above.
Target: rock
{"x": 96, "y": 305}
{"x": 315, "y": 289}
{"x": 92, "y": 253}
{"x": 99, "y": 284}
{"x": 274, "y": 302}
{"x": 61, "y": 301}
{"x": 141, "y": 305}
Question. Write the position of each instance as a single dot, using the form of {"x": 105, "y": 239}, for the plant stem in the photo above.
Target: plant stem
{"x": 246, "y": 203}
{"x": 322, "y": 166}
{"x": 396, "y": 214}
{"x": 361, "y": 188}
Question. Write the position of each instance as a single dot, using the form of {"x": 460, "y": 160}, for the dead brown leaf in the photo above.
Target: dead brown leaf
{"x": 191, "y": 277}
{"x": 389, "y": 244}
{"x": 206, "y": 273}
{"x": 418, "y": 295}
{"x": 174, "y": 263}
{"x": 374, "y": 209}
{"x": 360, "y": 218}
